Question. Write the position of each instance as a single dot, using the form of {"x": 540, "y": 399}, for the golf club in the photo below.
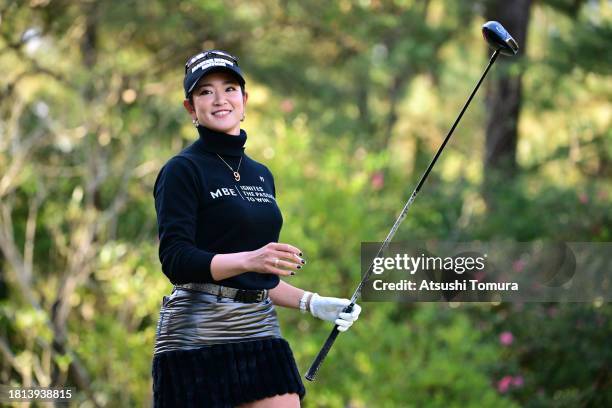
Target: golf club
{"x": 498, "y": 38}
{"x": 502, "y": 42}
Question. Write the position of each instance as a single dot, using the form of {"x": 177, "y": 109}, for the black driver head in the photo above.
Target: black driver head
{"x": 498, "y": 38}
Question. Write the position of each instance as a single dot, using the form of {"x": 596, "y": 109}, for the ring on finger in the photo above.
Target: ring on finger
{"x": 276, "y": 262}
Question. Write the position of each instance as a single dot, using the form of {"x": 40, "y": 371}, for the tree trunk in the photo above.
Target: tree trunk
{"x": 503, "y": 99}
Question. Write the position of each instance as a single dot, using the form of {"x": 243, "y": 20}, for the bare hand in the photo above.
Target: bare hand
{"x": 275, "y": 258}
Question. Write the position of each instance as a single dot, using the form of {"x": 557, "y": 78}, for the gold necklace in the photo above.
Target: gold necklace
{"x": 236, "y": 174}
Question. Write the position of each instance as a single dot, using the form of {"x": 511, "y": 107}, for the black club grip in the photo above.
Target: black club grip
{"x": 314, "y": 367}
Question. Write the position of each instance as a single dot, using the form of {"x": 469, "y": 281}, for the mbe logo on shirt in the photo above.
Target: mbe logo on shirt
{"x": 223, "y": 192}
{"x": 254, "y": 194}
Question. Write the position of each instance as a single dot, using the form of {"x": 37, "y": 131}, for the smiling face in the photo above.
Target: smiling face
{"x": 218, "y": 103}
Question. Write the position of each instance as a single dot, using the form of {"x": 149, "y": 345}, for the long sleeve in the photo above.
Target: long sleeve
{"x": 202, "y": 210}
{"x": 177, "y": 193}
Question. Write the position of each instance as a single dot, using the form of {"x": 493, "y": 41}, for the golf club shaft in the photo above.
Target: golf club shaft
{"x": 312, "y": 371}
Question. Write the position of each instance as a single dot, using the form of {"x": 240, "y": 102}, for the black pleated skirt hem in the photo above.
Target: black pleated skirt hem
{"x": 225, "y": 375}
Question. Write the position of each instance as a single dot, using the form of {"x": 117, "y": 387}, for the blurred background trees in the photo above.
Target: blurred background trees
{"x": 348, "y": 102}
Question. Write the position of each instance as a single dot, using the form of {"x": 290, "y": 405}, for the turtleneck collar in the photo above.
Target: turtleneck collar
{"x": 221, "y": 143}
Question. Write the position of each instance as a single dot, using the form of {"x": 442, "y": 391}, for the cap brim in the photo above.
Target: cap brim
{"x": 194, "y": 79}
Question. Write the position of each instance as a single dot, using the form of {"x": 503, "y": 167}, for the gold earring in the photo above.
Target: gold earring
{"x": 243, "y": 115}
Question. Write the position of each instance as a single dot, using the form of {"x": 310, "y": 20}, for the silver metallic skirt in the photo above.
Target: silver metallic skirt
{"x": 190, "y": 319}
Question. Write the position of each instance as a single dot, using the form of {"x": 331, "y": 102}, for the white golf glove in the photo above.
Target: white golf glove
{"x": 330, "y": 309}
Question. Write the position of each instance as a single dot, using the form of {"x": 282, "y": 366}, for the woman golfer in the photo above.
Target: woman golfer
{"x": 218, "y": 341}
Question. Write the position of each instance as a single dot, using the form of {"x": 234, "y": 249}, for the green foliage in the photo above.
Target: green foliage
{"x": 348, "y": 102}
{"x": 558, "y": 351}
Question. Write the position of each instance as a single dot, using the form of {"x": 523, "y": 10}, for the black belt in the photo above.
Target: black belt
{"x": 238, "y": 295}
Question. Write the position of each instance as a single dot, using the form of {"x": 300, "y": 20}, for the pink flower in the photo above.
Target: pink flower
{"x": 504, "y": 384}
{"x": 518, "y": 381}
{"x": 583, "y": 198}
{"x": 506, "y": 338}
{"x": 378, "y": 180}
{"x": 518, "y": 265}
{"x": 287, "y": 105}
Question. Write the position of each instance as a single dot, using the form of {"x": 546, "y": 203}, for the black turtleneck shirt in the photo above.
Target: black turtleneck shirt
{"x": 203, "y": 211}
